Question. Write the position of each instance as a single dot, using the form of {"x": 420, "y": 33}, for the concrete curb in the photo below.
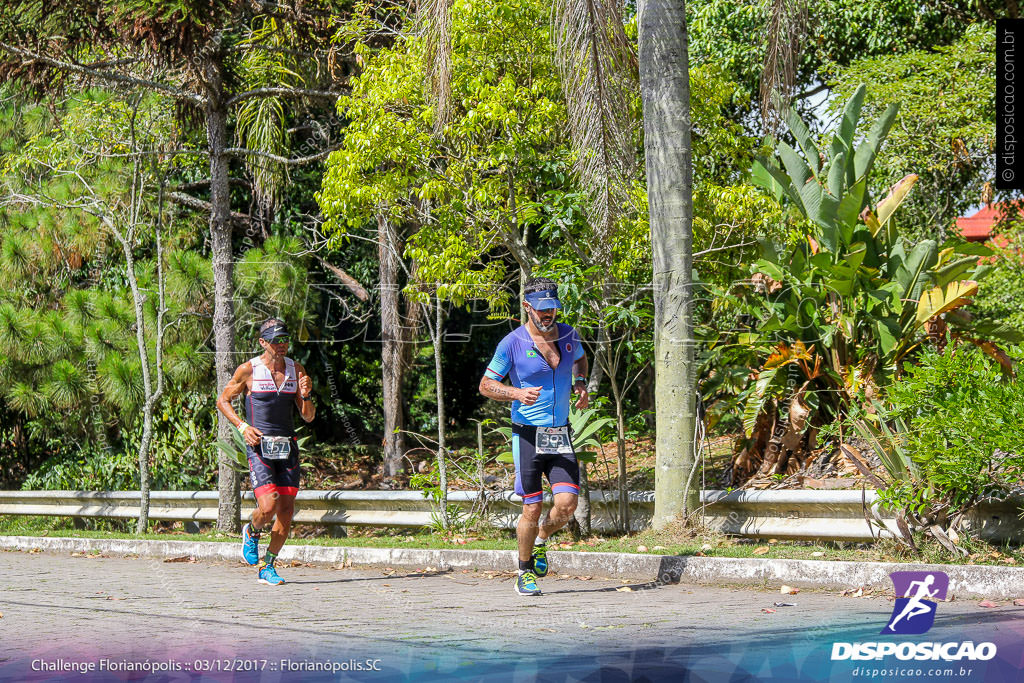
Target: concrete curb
{"x": 965, "y": 581}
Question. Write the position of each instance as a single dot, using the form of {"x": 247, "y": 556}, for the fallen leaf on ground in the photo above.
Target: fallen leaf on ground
{"x": 641, "y": 549}
{"x": 706, "y": 546}
{"x": 784, "y": 604}
{"x": 767, "y": 610}
{"x": 659, "y": 547}
{"x": 853, "y": 593}
{"x": 624, "y": 589}
{"x": 1, "y": 615}
{"x": 761, "y": 550}
{"x": 585, "y": 578}
{"x": 183, "y": 558}
{"x": 386, "y": 584}
{"x": 818, "y": 554}
{"x": 788, "y": 590}
{"x": 699, "y": 554}
{"x": 988, "y": 603}
{"x": 1018, "y": 602}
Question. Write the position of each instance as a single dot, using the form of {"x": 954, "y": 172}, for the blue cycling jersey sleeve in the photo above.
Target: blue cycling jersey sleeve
{"x": 579, "y": 345}
{"x": 499, "y": 366}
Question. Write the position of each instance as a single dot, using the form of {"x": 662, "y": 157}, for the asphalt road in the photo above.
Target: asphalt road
{"x": 63, "y": 613}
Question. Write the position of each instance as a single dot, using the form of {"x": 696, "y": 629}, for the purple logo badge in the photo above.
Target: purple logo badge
{"x": 916, "y": 593}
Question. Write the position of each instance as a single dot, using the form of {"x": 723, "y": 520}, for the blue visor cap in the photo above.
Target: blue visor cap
{"x": 545, "y": 299}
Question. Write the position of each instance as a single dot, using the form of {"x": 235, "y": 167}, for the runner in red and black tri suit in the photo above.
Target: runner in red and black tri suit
{"x": 274, "y": 386}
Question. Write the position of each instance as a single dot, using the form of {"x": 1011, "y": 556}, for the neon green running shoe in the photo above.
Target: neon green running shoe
{"x": 540, "y": 560}
{"x": 526, "y": 584}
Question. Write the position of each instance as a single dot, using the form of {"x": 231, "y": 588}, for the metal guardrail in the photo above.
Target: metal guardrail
{"x": 789, "y": 514}
{"x": 360, "y": 508}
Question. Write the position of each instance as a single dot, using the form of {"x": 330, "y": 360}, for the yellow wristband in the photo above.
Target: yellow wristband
{"x": 242, "y": 426}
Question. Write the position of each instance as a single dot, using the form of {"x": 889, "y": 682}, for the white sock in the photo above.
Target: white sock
{"x": 540, "y": 541}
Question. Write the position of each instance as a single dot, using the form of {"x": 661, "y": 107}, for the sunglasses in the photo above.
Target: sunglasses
{"x": 283, "y": 339}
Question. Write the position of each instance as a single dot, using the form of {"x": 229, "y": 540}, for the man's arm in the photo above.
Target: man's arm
{"x": 235, "y": 387}
{"x": 492, "y": 388}
{"x": 306, "y": 408}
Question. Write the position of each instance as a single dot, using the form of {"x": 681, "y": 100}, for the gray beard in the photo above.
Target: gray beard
{"x": 540, "y": 326}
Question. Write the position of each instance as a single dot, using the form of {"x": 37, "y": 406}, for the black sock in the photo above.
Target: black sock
{"x": 526, "y": 566}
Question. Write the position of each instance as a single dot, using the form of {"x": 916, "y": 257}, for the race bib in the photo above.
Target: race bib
{"x": 276, "y": 447}
{"x": 553, "y": 440}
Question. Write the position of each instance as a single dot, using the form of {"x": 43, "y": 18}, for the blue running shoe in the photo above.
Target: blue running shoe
{"x": 250, "y": 546}
{"x": 540, "y": 560}
{"x": 268, "y": 575}
{"x": 526, "y": 583}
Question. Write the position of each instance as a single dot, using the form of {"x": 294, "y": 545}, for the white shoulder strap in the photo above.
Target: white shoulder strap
{"x": 259, "y": 369}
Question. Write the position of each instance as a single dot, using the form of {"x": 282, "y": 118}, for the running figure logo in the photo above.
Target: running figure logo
{"x": 916, "y": 593}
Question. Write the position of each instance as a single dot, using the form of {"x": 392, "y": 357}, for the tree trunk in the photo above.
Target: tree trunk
{"x": 665, "y": 91}
{"x": 147, "y": 383}
{"x": 229, "y": 502}
{"x": 583, "y": 515}
{"x": 442, "y": 469}
{"x": 393, "y": 353}
{"x": 620, "y": 447}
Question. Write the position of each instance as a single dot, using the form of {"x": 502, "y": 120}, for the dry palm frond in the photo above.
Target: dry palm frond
{"x": 598, "y": 69}
{"x": 787, "y": 27}
{"x": 435, "y": 17}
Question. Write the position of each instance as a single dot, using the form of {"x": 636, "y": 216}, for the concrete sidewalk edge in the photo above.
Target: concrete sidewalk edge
{"x": 965, "y": 581}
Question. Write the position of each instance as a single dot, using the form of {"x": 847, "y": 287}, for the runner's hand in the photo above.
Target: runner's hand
{"x": 305, "y": 385}
{"x": 529, "y": 395}
{"x": 252, "y": 436}
{"x": 583, "y": 401}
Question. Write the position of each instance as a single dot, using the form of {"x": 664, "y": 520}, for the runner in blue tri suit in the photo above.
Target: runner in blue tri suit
{"x": 545, "y": 362}
{"x": 274, "y": 386}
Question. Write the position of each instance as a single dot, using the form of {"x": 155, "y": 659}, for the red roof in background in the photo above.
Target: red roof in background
{"x": 978, "y": 227}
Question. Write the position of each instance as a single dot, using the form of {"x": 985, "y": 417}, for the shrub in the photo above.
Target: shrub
{"x": 958, "y": 419}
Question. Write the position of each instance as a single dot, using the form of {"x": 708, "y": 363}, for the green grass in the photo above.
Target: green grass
{"x": 666, "y": 542}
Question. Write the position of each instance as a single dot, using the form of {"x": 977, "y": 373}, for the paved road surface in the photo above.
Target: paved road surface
{"x": 68, "y": 611}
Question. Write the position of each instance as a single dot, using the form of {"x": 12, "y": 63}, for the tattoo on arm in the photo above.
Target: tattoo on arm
{"x": 504, "y": 391}
{"x": 496, "y": 390}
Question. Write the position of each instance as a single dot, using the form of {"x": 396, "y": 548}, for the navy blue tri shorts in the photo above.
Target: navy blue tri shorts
{"x": 561, "y": 469}
{"x": 270, "y": 476}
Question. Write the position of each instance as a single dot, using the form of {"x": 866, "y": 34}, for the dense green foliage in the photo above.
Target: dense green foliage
{"x": 813, "y": 293}
{"x": 945, "y": 132}
{"x": 948, "y": 438}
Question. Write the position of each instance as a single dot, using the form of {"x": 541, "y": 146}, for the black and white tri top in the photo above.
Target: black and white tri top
{"x": 268, "y": 406}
